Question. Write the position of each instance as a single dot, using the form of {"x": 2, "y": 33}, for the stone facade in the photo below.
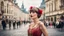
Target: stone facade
{"x": 53, "y": 9}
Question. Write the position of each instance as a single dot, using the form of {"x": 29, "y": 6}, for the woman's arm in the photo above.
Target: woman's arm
{"x": 43, "y": 29}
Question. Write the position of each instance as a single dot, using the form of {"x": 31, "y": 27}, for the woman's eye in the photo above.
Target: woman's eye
{"x": 33, "y": 12}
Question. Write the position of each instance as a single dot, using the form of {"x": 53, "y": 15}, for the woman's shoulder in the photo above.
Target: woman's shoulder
{"x": 42, "y": 26}
{"x": 41, "y": 23}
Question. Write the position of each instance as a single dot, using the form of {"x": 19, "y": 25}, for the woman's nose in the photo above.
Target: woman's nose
{"x": 31, "y": 13}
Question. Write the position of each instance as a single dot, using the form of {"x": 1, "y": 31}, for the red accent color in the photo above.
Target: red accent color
{"x": 35, "y": 31}
{"x": 31, "y": 7}
{"x": 40, "y": 11}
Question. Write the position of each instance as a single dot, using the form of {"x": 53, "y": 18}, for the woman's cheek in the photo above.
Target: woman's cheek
{"x": 35, "y": 14}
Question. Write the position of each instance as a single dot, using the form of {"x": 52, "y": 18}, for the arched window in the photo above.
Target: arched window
{"x": 62, "y": 2}
{"x": 2, "y": 7}
{"x": 51, "y": 19}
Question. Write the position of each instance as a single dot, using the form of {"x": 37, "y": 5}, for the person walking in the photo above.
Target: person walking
{"x": 61, "y": 23}
{"x": 4, "y": 24}
{"x": 14, "y": 23}
{"x": 9, "y": 24}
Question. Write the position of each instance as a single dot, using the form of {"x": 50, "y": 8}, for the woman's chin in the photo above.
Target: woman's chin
{"x": 32, "y": 17}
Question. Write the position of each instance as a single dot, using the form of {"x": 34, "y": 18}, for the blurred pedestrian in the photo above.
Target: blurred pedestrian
{"x": 18, "y": 24}
{"x": 47, "y": 23}
{"x": 4, "y": 24}
{"x": 14, "y": 23}
{"x": 57, "y": 23}
{"x": 50, "y": 24}
{"x": 54, "y": 24}
{"x": 61, "y": 23}
{"x": 9, "y": 24}
{"x": 24, "y": 21}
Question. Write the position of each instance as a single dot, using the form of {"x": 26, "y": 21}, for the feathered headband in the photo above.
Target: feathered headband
{"x": 35, "y": 8}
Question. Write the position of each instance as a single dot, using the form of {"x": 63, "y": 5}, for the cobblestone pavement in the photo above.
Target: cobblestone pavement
{"x": 22, "y": 31}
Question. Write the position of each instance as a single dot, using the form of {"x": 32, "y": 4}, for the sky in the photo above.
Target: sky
{"x": 28, "y": 3}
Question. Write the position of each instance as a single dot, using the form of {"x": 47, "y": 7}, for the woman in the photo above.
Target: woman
{"x": 36, "y": 27}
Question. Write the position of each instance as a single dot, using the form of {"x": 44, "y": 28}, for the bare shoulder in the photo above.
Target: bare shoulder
{"x": 42, "y": 26}
{"x": 41, "y": 23}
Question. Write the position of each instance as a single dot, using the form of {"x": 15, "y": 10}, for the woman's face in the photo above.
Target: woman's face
{"x": 33, "y": 14}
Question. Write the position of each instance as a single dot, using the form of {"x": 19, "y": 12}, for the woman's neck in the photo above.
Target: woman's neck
{"x": 36, "y": 20}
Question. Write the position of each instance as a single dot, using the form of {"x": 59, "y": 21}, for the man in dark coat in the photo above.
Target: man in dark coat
{"x": 54, "y": 24}
{"x": 9, "y": 24}
{"x": 4, "y": 24}
{"x": 18, "y": 24}
{"x": 14, "y": 23}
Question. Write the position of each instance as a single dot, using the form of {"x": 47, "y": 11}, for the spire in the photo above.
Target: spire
{"x": 42, "y": 5}
{"x": 43, "y": 2}
{"x": 14, "y": 1}
{"x": 22, "y": 5}
{"x": 23, "y": 8}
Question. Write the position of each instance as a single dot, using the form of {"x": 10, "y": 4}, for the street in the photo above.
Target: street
{"x": 22, "y": 31}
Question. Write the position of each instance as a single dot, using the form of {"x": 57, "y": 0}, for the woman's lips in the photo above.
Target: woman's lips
{"x": 31, "y": 16}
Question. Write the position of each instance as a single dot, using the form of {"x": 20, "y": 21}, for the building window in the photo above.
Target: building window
{"x": 52, "y": 5}
{"x": 49, "y": 7}
{"x": 7, "y": 8}
{"x": 56, "y": 1}
{"x": 51, "y": 19}
{"x": 2, "y": 7}
{"x": 62, "y": 4}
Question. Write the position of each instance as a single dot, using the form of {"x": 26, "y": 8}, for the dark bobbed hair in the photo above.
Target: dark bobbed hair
{"x": 37, "y": 11}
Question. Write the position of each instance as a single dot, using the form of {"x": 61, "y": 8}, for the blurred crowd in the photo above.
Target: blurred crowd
{"x": 10, "y": 23}
{"x": 56, "y": 24}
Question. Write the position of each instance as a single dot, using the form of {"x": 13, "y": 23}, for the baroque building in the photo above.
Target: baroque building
{"x": 54, "y": 9}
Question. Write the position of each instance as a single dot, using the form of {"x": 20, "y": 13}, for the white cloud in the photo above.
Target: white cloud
{"x": 28, "y": 3}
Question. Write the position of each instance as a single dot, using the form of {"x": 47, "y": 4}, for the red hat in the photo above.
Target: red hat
{"x": 36, "y": 9}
